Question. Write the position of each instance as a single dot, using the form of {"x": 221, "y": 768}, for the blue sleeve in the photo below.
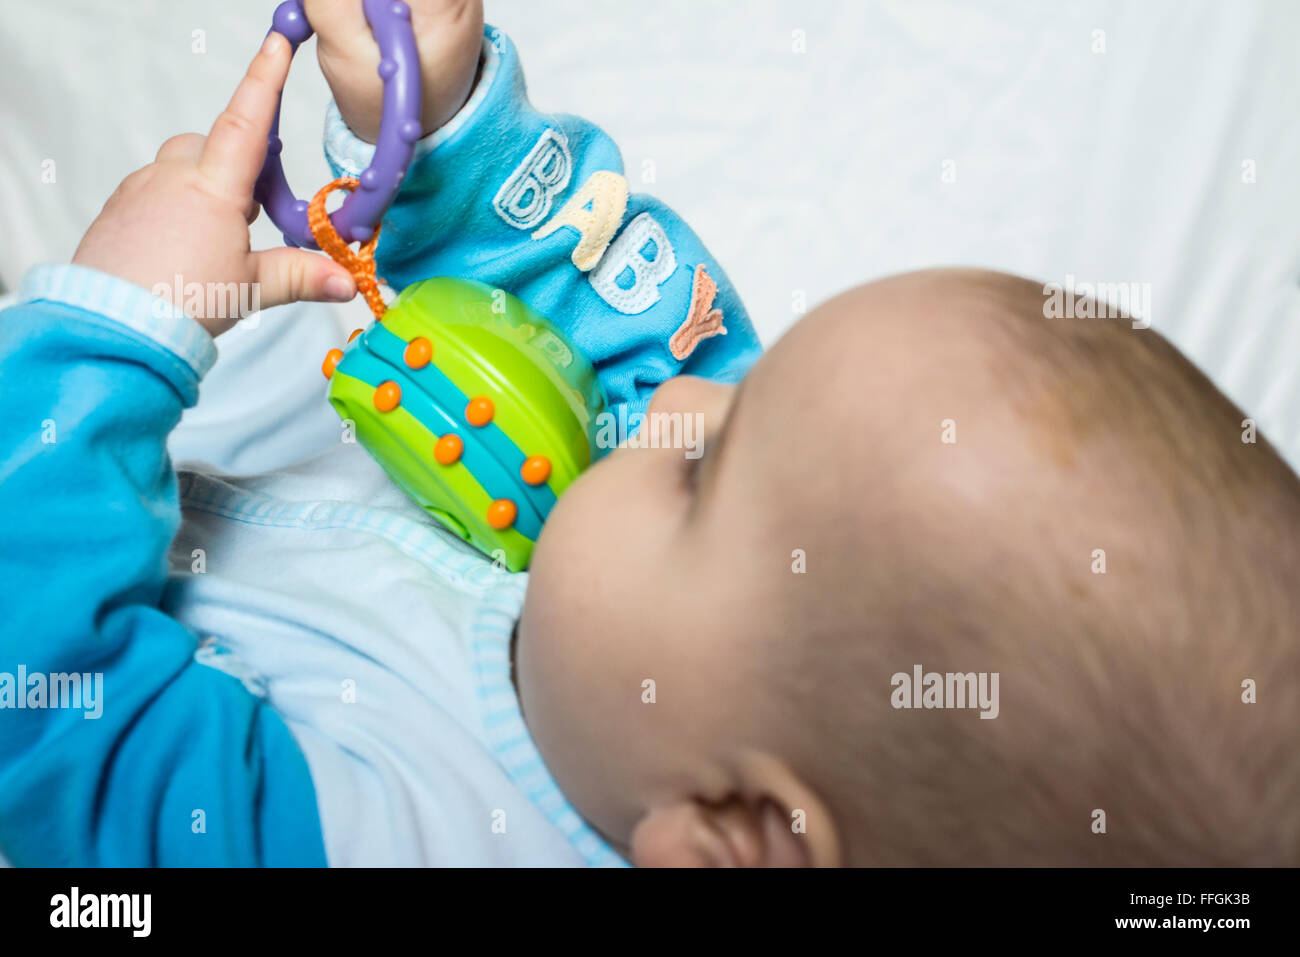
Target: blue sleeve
{"x": 537, "y": 205}
{"x": 116, "y": 747}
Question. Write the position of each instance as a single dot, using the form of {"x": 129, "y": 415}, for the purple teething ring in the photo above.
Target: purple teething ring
{"x": 399, "y": 128}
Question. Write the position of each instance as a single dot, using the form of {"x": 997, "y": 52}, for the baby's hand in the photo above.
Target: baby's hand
{"x": 448, "y": 33}
{"x": 187, "y": 214}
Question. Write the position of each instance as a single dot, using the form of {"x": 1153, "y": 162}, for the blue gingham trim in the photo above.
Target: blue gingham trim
{"x": 502, "y": 599}
{"x": 124, "y": 303}
{"x": 427, "y": 542}
{"x": 504, "y": 725}
{"x": 352, "y": 154}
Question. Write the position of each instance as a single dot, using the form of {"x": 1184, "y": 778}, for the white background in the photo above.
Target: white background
{"x": 805, "y": 172}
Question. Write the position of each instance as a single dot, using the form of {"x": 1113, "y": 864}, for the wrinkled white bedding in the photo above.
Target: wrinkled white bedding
{"x": 806, "y": 172}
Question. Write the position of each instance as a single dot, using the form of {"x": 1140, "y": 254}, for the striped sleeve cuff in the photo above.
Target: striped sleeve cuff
{"x": 126, "y": 304}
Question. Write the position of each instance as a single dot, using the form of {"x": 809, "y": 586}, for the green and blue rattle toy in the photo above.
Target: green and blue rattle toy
{"x": 475, "y": 404}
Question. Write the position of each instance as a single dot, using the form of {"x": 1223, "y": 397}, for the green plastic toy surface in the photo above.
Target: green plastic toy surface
{"x": 478, "y": 406}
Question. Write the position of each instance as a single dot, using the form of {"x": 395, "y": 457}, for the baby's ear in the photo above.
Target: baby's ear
{"x": 737, "y": 832}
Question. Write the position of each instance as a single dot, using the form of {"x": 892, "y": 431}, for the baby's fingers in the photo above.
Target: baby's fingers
{"x": 185, "y": 148}
{"x": 338, "y": 22}
{"x": 293, "y": 275}
{"x": 236, "y": 147}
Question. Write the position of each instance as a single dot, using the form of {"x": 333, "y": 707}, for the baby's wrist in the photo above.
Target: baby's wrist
{"x": 440, "y": 115}
{"x": 349, "y": 152}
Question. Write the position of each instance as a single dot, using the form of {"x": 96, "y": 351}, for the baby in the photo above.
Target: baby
{"x": 925, "y": 472}
{"x": 708, "y": 662}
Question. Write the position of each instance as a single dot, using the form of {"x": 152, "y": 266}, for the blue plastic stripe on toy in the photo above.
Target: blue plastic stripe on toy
{"x": 419, "y": 462}
{"x": 488, "y": 472}
{"x": 445, "y": 393}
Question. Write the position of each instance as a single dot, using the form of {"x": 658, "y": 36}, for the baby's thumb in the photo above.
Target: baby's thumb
{"x": 293, "y": 275}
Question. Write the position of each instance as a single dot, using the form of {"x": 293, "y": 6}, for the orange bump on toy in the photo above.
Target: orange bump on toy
{"x": 331, "y": 362}
{"x": 480, "y": 410}
{"x": 418, "y": 352}
{"x": 501, "y": 514}
{"x": 355, "y": 333}
{"x": 448, "y": 449}
{"x": 535, "y": 470}
{"x": 388, "y": 396}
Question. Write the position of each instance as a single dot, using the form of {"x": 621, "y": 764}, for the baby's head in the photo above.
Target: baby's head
{"x": 926, "y": 471}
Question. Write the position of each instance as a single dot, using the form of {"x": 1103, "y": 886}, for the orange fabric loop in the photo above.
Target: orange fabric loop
{"x": 360, "y": 263}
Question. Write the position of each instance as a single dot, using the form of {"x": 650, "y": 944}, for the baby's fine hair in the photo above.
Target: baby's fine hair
{"x": 1141, "y": 615}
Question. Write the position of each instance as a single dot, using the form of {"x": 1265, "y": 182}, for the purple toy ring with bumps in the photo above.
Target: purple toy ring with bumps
{"x": 399, "y": 129}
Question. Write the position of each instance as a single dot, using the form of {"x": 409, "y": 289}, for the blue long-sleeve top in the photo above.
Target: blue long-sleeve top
{"x": 537, "y": 204}
{"x": 178, "y": 761}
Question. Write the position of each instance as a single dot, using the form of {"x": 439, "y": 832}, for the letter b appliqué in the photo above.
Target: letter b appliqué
{"x": 525, "y": 199}
{"x": 642, "y": 254}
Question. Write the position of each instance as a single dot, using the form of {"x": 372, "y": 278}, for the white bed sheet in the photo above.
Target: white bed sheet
{"x": 806, "y": 172}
